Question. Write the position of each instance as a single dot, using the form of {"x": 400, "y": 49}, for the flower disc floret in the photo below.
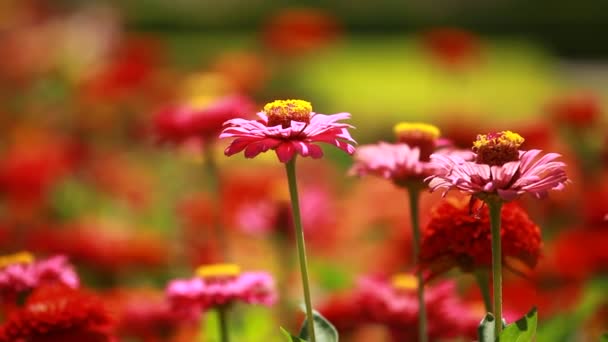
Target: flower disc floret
{"x": 497, "y": 148}
{"x": 282, "y": 112}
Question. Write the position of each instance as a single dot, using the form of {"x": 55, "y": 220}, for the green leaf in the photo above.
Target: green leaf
{"x": 604, "y": 338}
{"x": 523, "y": 330}
{"x": 324, "y": 330}
{"x": 290, "y": 337}
{"x": 485, "y": 331}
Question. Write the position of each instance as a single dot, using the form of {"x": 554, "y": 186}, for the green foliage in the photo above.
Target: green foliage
{"x": 523, "y": 330}
{"x": 324, "y": 330}
{"x": 485, "y": 331}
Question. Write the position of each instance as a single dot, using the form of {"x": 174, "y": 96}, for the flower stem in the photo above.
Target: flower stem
{"x": 414, "y": 195}
{"x": 213, "y": 177}
{"x": 295, "y": 205}
{"x": 483, "y": 281}
{"x": 495, "y": 207}
{"x": 222, "y": 314}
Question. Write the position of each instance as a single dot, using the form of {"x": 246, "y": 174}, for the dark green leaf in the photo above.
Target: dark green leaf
{"x": 604, "y": 338}
{"x": 324, "y": 330}
{"x": 523, "y": 330}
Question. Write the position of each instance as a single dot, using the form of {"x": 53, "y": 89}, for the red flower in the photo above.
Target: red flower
{"x": 296, "y": 31}
{"x": 459, "y": 236}
{"x": 581, "y": 253}
{"x": 452, "y": 47}
{"x": 58, "y": 313}
{"x": 578, "y": 110}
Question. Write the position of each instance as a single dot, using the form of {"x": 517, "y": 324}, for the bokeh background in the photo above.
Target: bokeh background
{"x": 83, "y": 173}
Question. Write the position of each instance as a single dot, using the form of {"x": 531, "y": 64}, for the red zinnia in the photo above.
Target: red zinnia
{"x": 58, "y": 313}
{"x": 577, "y": 110}
{"x": 459, "y": 236}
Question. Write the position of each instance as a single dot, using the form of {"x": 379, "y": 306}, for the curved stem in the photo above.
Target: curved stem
{"x": 290, "y": 167}
{"x": 214, "y": 181}
{"x": 495, "y": 209}
{"x": 414, "y": 195}
{"x": 483, "y": 281}
{"x": 222, "y": 315}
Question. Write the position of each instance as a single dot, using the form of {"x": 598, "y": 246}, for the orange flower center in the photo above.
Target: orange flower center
{"x": 405, "y": 282}
{"x": 218, "y": 271}
{"x": 17, "y": 258}
{"x": 282, "y": 112}
{"x": 497, "y": 148}
{"x": 417, "y": 134}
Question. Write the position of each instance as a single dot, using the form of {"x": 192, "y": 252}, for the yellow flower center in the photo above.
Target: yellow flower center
{"x": 17, "y": 258}
{"x": 404, "y": 282}
{"x": 282, "y": 112}
{"x": 497, "y": 148}
{"x": 218, "y": 271}
{"x": 418, "y": 134}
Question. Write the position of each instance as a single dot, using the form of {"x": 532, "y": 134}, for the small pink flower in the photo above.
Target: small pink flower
{"x": 404, "y": 161}
{"x": 221, "y": 284}
{"x": 288, "y": 127}
{"x": 20, "y": 272}
{"x": 179, "y": 123}
{"x": 394, "y": 303}
{"x": 500, "y": 168}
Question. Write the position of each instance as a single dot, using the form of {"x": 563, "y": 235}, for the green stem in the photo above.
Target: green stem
{"x": 495, "y": 207}
{"x": 222, "y": 314}
{"x": 414, "y": 195}
{"x": 213, "y": 177}
{"x": 483, "y": 281}
{"x": 295, "y": 206}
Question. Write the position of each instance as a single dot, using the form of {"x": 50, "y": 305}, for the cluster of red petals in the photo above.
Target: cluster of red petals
{"x": 458, "y": 235}
{"x": 451, "y": 46}
{"x": 58, "y": 313}
{"x": 179, "y": 123}
{"x": 296, "y": 31}
{"x": 576, "y": 110}
{"x": 581, "y": 253}
{"x": 343, "y": 311}
{"x": 103, "y": 248}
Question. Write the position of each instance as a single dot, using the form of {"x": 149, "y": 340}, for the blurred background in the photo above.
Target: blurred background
{"x": 84, "y": 173}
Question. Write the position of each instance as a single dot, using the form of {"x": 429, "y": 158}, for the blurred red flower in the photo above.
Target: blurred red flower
{"x": 576, "y": 110}
{"x": 581, "y": 252}
{"x": 58, "y": 313}
{"x": 296, "y": 31}
{"x": 458, "y": 235}
{"x": 453, "y": 48}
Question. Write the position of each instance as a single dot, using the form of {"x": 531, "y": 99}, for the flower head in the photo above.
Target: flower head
{"x": 455, "y": 237}
{"x": 221, "y": 284}
{"x": 500, "y": 169}
{"x": 578, "y": 110}
{"x": 58, "y": 313}
{"x": 393, "y": 302}
{"x": 21, "y": 272}
{"x": 288, "y": 127}
{"x": 405, "y": 161}
{"x": 179, "y": 123}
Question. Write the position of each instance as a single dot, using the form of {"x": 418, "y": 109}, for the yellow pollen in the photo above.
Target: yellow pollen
{"x": 417, "y": 127}
{"x": 404, "y": 282}
{"x": 17, "y": 258}
{"x": 505, "y": 138}
{"x": 218, "y": 271}
{"x": 282, "y": 112}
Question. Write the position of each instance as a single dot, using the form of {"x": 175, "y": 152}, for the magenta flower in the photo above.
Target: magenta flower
{"x": 501, "y": 169}
{"x": 182, "y": 122}
{"x": 219, "y": 285}
{"x": 288, "y": 127}
{"x": 405, "y": 161}
{"x": 20, "y": 272}
{"x": 393, "y": 302}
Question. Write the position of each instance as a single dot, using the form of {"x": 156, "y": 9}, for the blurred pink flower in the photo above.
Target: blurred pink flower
{"x": 289, "y": 127}
{"x": 182, "y": 122}
{"x": 221, "y": 284}
{"x": 394, "y": 303}
{"x": 20, "y": 272}
{"x": 500, "y": 168}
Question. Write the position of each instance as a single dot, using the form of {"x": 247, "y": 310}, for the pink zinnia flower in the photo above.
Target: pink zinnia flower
{"x": 500, "y": 169}
{"x": 221, "y": 284}
{"x": 20, "y": 272}
{"x": 289, "y": 127}
{"x": 179, "y": 123}
{"x": 394, "y": 303}
{"x": 405, "y": 161}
